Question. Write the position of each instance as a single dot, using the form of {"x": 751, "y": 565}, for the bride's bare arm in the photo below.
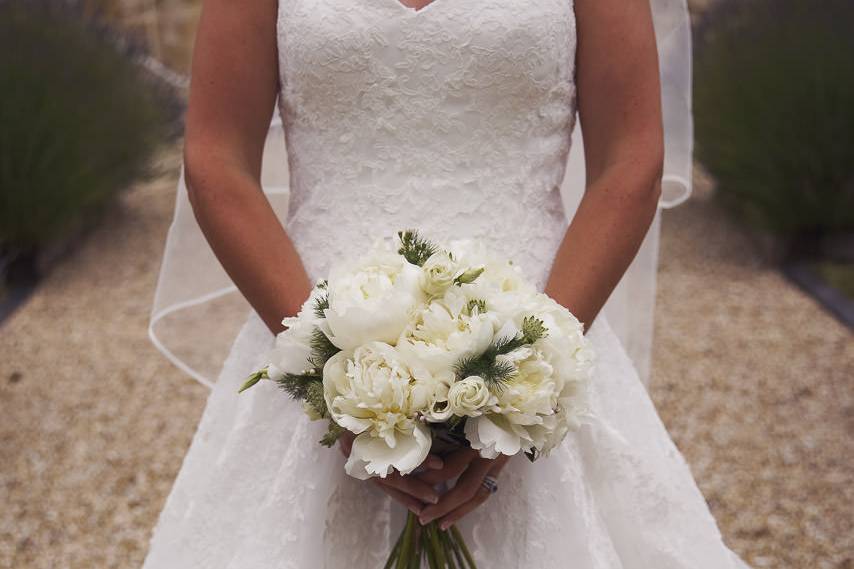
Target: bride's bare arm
{"x": 620, "y": 109}
{"x": 232, "y": 97}
{"x": 619, "y": 104}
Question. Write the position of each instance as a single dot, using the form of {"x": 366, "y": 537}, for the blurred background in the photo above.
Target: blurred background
{"x": 753, "y": 364}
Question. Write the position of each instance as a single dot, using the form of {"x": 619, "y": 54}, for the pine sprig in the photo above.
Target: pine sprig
{"x": 414, "y": 248}
{"x": 314, "y": 397}
{"x": 497, "y": 373}
{"x": 298, "y": 385}
{"x": 322, "y": 349}
{"x": 332, "y": 435}
{"x": 321, "y": 303}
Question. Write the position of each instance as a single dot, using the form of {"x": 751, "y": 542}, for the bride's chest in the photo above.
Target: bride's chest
{"x": 448, "y": 43}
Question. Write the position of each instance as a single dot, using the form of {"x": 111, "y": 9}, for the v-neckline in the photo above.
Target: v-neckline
{"x": 415, "y": 11}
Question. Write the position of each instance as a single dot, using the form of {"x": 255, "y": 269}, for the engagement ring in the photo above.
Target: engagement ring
{"x": 490, "y": 484}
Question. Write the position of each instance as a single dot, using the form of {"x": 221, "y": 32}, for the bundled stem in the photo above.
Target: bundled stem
{"x": 428, "y": 544}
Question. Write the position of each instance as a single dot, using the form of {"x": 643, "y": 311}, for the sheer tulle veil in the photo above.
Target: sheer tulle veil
{"x": 197, "y": 311}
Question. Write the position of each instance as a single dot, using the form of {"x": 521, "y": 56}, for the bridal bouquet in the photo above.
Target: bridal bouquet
{"x": 415, "y": 347}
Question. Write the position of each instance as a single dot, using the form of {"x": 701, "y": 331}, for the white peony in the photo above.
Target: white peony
{"x": 445, "y": 331}
{"x": 372, "y": 298}
{"x": 530, "y": 412}
{"x": 373, "y": 392}
{"x": 470, "y": 397}
{"x": 565, "y": 346}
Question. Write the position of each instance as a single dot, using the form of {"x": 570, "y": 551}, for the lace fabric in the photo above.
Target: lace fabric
{"x": 451, "y": 119}
{"x": 455, "y": 119}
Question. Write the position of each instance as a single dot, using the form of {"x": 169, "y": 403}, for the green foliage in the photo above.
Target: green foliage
{"x": 774, "y": 112}
{"x": 332, "y": 434}
{"x": 469, "y": 276}
{"x": 321, "y": 349}
{"x": 476, "y": 304}
{"x": 496, "y": 373}
{"x": 414, "y": 248}
{"x": 321, "y": 303}
{"x": 307, "y": 387}
{"x": 80, "y": 120}
{"x": 253, "y": 379}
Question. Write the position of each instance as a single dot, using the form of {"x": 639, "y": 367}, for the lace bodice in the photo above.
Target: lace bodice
{"x": 454, "y": 119}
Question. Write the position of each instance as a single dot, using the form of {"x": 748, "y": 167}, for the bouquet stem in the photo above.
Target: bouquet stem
{"x": 428, "y": 546}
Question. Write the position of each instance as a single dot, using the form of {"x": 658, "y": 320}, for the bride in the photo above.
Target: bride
{"x": 455, "y": 117}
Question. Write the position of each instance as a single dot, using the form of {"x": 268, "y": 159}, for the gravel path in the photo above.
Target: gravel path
{"x": 751, "y": 377}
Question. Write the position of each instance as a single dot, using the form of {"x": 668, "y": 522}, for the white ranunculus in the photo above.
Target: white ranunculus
{"x": 371, "y": 299}
{"x": 445, "y": 331}
{"x": 470, "y": 397}
{"x": 373, "y": 392}
{"x": 438, "y": 273}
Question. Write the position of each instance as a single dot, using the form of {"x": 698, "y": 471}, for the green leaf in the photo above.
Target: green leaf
{"x": 469, "y": 276}
{"x": 332, "y": 434}
{"x": 253, "y": 379}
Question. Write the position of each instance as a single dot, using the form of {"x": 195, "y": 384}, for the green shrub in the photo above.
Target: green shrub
{"x": 79, "y": 120}
{"x": 774, "y": 112}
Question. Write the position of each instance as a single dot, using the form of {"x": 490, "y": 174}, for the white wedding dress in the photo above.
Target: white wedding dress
{"x": 454, "y": 119}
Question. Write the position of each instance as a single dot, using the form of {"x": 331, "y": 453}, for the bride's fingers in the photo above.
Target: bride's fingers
{"x": 455, "y": 464}
{"x": 432, "y": 462}
{"x": 409, "y": 502}
{"x": 481, "y": 495}
{"x": 465, "y": 489}
{"x": 412, "y": 486}
{"x": 454, "y": 516}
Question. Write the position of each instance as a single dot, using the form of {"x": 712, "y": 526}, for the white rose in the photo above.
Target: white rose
{"x": 372, "y": 298}
{"x": 470, "y": 397}
{"x": 445, "y": 331}
{"x": 438, "y": 273}
{"x": 373, "y": 392}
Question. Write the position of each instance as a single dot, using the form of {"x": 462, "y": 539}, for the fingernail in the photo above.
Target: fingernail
{"x": 423, "y": 520}
{"x": 438, "y": 464}
{"x": 443, "y": 526}
{"x": 434, "y": 499}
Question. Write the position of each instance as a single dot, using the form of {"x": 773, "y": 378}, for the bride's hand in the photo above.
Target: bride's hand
{"x": 411, "y": 491}
{"x": 468, "y": 493}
